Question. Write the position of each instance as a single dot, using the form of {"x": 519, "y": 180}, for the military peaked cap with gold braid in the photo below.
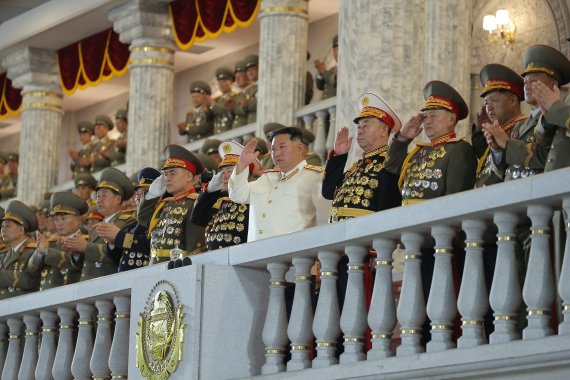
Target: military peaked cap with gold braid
{"x": 224, "y": 73}
{"x": 201, "y": 87}
{"x": 67, "y": 203}
{"x": 495, "y": 77}
{"x": 21, "y": 214}
{"x": 372, "y": 105}
{"x": 146, "y": 177}
{"x": 117, "y": 181}
{"x": 85, "y": 127}
{"x": 85, "y": 179}
{"x": 179, "y": 157}
{"x": 548, "y": 60}
{"x": 210, "y": 146}
{"x": 440, "y": 95}
{"x": 104, "y": 120}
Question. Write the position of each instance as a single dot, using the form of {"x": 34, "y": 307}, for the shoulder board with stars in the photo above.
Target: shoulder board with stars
{"x": 192, "y": 196}
{"x": 32, "y": 244}
{"x": 125, "y": 216}
{"x": 315, "y": 168}
{"x": 86, "y": 237}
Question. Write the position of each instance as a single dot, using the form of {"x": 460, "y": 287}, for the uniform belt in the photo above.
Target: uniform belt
{"x": 163, "y": 252}
{"x": 406, "y": 202}
{"x": 349, "y": 212}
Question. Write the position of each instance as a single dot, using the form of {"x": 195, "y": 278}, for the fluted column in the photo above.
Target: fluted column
{"x": 35, "y": 72}
{"x": 99, "y": 364}
{"x": 353, "y": 317}
{"x": 84, "y": 346}
{"x": 15, "y": 347}
{"x": 65, "y": 344}
{"x": 505, "y": 296}
{"x": 564, "y": 281}
{"x": 30, "y": 356}
{"x": 326, "y": 323}
{"x": 274, "y": 333}
{"x": 411, "y": 307}
{"x": 538, "y": 290}
{"x": 145, "y": 25}
{"x": 3, "y": 343}
{"x": 48, "y": 347}
{"x": 441, "y": 306}
{"x": 299, "y": 329}
{"x": 448, "y": 46}
{"x": 120, "y": 348}
{"x": 473, "y": 301}
{"x": 382, "y": 313}
{"x": 376, "y": 41}
{"x": 284, "y": 26}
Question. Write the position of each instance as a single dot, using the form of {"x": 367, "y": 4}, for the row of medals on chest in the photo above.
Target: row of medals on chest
{"x": 354, "y": 186}
{"x": 420, "y": 176}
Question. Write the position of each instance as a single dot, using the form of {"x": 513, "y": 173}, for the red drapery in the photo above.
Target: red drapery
{"x": 196, "y": 20}
{"x": 10, "y": 98}
{"x": 91, "y": 60}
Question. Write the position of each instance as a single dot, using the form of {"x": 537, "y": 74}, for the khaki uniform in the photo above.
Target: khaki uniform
{"x": 101, "y": 162}
{"x": 223, "y": 117}
{"x": 199, "y": 123}
{"x": 119, "y": 155}
{"x": 240, "y": 118}
{"x": 7, "y": 187}
{"x": 250, "y": 111}
{"x": 86, "y": 151}
{"x": 555, "y": 135}
{"x": 16, "y": 277}
{"x": 326, "y": 82}
{"x": 281, "y": 202}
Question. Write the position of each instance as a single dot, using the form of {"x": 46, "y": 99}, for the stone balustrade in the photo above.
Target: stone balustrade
{"x": 324, "y": 112}
{"x": 447, "y": 321}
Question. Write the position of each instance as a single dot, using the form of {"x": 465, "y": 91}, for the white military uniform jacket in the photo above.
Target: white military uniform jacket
{"x": 280, "y": 203}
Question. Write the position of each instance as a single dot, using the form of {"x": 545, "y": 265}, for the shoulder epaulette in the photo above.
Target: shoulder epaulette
{"x": 125, "y": 216}
{"x": 32, "y": 244}
{"x": 192, "y": 196}
{"x": 315, "y": 168}
{"x": 54, "y": 238}
{"x": 85, "y": 236}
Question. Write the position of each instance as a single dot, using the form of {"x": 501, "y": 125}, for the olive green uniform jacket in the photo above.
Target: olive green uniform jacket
{"x": 554, "y": 133}
{"x": 16, "y": 277}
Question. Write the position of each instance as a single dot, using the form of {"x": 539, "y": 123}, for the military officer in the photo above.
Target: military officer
{"x": 248, "y": 104}
{"x": 6, "y": 185}
{"x": 366, "y": 187}
{"x": 502, "y": 93}
{"x": 51, "y": 258}
{"x": 16, "y": 278}
{"x": 446, "y": 164}
{"x": 311, "y": 157}
{"x": 13, "y": 167}
{"x": 226, "y": 222}
{"x": 200, "y": 119}
{"x": 224, "y": 106}
{"x": 546, "y": 69}
{"x": 168, "y": 204}
{"x": 283, "y": 200}
{"x": 326, "y": 79}
{"x": 210, "y": 147}
{"x": 122, "y": 124}
{"x": 114, "y": 187}
{"x": 92, "y": 218}
{"x": 85, "y": 185}
{"x": 105, "y": 146}
{"x": 82, "y": 158}
{"x": 131, "y": 249}
{"x": 242, "y": 82}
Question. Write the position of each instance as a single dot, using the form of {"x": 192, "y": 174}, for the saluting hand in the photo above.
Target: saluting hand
{"x": 342, "y": 142}
{"x": 544, "y": 95}
{"x": 413, "y": 127}
{"x": 496, "y": 137}
{"x": 481, "y": 118}
{"x": 248, "y": 155}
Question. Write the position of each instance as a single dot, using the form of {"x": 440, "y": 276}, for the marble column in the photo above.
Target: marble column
{"x": 283, "y": 34}
{"x": 35, "y": 72}
{"x": 448, "y": 46}
{"x": 145, "y": 25}
{"x": 379, "y": 52}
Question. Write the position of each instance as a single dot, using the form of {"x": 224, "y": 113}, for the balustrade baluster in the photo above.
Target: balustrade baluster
{"x": 353, "y": 317}
{"x": 308, "y": 122}
{"x": 538, "y": 289}
{"x": 118, "y": 358}
{"x": 48, "y": 346}
{"x": 65, "y": 345}
{"x": 320, "y": 145}
{"x": 473, "y": 300}
{"x": 275, "y": 327}
{"x": 442, "y": 304}
{"x": 84, "y": 346}
{"x": 3, "y": 343}
{"x": 100, "y": 358}
{"x": 326, "y": 324}
{"x": 382, "y": 314}
{"x": 564, "y": 280}
{"x": 30, "y": 356}
{"x": 411, "y": 307}
{"x": 505, "y": 297}
{"x": 331, "y": 134}
{"x": 15, "y": 346}
{"x": 299, "y": 329}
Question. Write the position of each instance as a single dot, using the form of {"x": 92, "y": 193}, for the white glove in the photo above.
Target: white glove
{"x": 157, "y": 188}
{"x": 215, "y": 183}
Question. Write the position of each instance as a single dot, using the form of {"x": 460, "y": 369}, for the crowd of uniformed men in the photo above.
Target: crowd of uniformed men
{"x": 230, "y": 194}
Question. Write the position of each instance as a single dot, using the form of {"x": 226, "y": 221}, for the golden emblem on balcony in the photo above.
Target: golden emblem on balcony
{"x": 160, "y": 333}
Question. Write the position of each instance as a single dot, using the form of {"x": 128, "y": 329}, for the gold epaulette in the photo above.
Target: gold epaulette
{"x": 315, "y": 168}
{"x": 125, "y": 216}
{"x": 189, "y": 112}
{"x": 220, "y": 201}
{"x": 192, "y": 196}
{"x": 54, "y": 238}
{"x": 85, "y": 236}
{"x": 32, "y": 244}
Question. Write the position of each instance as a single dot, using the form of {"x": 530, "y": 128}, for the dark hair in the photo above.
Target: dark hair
{"x": 294, "y": 133}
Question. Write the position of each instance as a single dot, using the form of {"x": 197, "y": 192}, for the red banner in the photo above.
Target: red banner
{"x": 197, "y": 20}
{"x": 10, "y": 98}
